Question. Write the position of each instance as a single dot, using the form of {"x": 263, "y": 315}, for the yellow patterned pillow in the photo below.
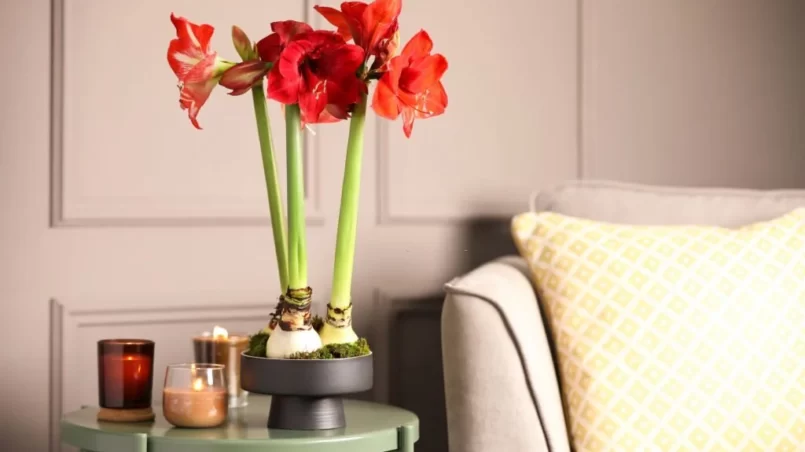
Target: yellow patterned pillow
{"x": 675, "y": 338}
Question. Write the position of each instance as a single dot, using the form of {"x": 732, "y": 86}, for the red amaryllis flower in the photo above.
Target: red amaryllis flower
{"x": 317, "y": 70}
{"x": 412, "y": 86}
{"x": 197, "y": 67}
{"x": 371, "y": 26}
{"x": 258, "y": 62}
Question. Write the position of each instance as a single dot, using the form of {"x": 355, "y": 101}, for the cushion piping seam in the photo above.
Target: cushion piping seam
{"x": 510, "y": 331}
{"x": 667, "y": 190}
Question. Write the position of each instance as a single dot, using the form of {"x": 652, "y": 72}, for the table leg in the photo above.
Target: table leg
{"x": 406, "y": 437}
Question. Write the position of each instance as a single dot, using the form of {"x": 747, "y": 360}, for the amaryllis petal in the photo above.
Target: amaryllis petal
{"x": 288, "y": 29}
{"x": 408, "y": 121}
{"x": 382, "y": 16}
{"x": 181, "y": 58}
{"x": 423, "y": 73}
{"x": 197, "y": 35}
{"x": 342, "y": 60}
{"x": 270, "y": 47}
{"x": 353, "y": 13}
{"x": 336, "y": 18}
{"x": 241, "y": 77}
{"x": 313, "y": 100}
{"x": 343, "y": 91}
{"x": 243, "y": 45}
{"x": 193, "y": 96}
{"x": 386, "y": 48}
{"x": 291, "y": 58}
{"x": 385, "y": 102}
{"x": 419, "y": 46}
{"x": 190, "y": 46}
{"x": 204, "y": 70}
{"x": 281, "y": 89}
{"x": 431, "y": 102}
{"x": 334, "y": 112}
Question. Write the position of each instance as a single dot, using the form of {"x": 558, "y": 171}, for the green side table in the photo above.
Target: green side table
{"x": 371, "y": 427}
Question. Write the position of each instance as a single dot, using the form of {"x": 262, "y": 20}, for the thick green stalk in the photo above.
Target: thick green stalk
{"x": 297, "y": 262}
{"x": 348, "y": 215}
{"x": 272, "y": 184}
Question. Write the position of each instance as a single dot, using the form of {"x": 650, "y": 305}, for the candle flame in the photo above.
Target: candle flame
{"x": 198, "y": 384}
{"x": 219, "y": 332}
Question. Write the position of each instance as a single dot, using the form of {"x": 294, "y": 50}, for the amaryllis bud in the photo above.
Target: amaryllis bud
{"x": 241, "y": 77}
{"x": 243, "y": 45}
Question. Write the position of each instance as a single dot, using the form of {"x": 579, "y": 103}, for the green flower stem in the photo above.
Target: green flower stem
{"x": 297, "y": 262}
{"x": 272, "y": 184}
{"x": 348, "y": 215}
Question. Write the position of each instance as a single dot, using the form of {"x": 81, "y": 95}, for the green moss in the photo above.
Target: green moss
{"x": 257, "y": 345}
{"x": 336, "y": 351}
{"x": 258, "y": 341}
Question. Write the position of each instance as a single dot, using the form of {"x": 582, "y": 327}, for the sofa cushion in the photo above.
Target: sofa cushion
{"x": 675, "y": 337}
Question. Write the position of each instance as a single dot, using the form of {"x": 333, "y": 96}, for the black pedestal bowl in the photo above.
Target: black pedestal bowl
{"x": 306, "y": 394}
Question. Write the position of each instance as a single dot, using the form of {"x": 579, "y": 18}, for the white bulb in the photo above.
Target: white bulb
{"x": 282, "y": 344}
{"x": 332, "y": 335}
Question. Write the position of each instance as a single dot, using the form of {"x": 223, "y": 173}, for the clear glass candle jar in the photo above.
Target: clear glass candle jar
{"x": 195, "y": 395}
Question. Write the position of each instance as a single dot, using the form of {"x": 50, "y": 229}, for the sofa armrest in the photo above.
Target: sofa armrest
{"x": 500, "y": 381}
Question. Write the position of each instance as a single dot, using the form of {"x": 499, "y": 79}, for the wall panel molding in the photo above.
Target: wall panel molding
{"x": 384, "y": 208}
{"x": 66, "y": 323}
{"x": 100, "y": 212}
{"x": 55, "y": 375}
{"x": 519, "y": 133}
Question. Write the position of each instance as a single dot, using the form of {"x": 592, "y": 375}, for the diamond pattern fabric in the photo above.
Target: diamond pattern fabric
{"x": 674, "y": 338}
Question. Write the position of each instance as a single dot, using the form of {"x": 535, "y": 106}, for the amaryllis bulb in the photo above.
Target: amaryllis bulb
{"x": 334, "y": 335}
{"x": 283, "y": 344}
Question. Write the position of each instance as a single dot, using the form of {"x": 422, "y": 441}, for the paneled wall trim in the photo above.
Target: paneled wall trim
{"x": 102, "y": 167}
{"x": 66, "y": 324}
{"x": 505, "y": 133}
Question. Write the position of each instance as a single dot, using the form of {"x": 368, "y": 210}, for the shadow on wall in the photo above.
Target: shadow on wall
{"x": 416, "y": 381}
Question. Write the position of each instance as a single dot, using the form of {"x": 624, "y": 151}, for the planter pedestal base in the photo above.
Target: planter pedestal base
{"x": 306, "y": 413}
{"x": 306, "y": 394}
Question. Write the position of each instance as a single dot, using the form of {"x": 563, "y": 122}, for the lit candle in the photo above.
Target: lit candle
{"x": 222, "y": 348}
{"x": 125, "y": 373}
{"x": 203, "y": 404}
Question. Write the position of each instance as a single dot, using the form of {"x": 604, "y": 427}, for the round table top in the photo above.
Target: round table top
{"x": 370, "y": 427}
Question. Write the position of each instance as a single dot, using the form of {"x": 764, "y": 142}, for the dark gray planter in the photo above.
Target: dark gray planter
{"x": 306, "y": 393}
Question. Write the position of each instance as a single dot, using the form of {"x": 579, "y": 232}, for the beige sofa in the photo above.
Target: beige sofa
{"x": 500, "y": 381}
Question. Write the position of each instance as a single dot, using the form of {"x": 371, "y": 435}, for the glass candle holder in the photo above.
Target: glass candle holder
{"x": 195, "y": 395}
{"x": 220, "y": 347}
{"x": 125, "y": 373}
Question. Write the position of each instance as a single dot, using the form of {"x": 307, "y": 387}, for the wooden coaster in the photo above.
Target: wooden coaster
{"x": 126, "y": 415}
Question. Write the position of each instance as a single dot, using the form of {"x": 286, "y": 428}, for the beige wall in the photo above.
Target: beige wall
{"x": 694, "y": 92}
{"x": 132, "y": 223}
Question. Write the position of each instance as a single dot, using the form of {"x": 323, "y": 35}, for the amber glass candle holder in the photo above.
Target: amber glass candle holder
{"x": 125, "y": 379}
{"x": 221, "y": 347}
{"x": 195, "y": 396}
